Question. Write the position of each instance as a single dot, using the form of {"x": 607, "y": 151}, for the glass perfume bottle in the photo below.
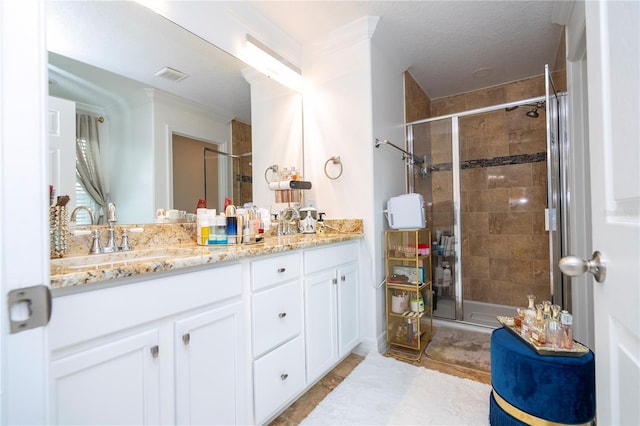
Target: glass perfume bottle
{"x": 538, "y": 331}
{"x": 553, "y": 333}
{"x": 546, "y": 314}
{"x": 566, "y": 330}
{"x": 532, "y": 300}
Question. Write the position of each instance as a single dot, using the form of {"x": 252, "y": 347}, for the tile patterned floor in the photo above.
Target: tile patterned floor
{"x": 306, "y": 403}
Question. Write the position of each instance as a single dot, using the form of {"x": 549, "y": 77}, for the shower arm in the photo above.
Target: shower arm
{"x": 407, "y": 155}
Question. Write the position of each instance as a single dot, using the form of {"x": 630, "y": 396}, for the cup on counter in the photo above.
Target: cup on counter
{"x": 173, "y": 215}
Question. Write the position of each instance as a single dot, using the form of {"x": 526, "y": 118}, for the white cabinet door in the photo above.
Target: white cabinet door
{"x": 209, "y": 349}
{"x": 320, "y": 323}
{"x": 114, "y": 383}
{"x": 348, "y": 309}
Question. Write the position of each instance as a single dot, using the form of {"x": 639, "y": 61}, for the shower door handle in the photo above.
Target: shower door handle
{"x": 574, "y": 266}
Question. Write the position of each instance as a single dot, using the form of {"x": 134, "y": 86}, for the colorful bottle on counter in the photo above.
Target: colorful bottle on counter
{"x": 202, "y": 227}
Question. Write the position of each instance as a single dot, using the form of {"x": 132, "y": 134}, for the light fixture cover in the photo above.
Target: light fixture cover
{"x": 273, "y": 65}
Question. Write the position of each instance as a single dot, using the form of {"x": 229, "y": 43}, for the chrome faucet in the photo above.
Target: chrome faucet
{"x": 74, "y": 213}
{"x": 111, "y": 219}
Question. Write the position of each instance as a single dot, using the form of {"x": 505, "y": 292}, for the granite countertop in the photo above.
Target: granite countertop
{"x": 81, "y": 270}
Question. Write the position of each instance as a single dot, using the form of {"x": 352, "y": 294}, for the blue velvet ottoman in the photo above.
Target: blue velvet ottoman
{"x": 533, "y": 389}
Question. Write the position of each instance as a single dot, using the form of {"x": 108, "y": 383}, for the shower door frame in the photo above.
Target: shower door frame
{"x": 557, "y": 285}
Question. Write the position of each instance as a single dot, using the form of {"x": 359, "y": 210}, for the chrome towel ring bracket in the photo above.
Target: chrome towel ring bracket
{"x": 336, "y": 161}
{"x": 274, "y": 169}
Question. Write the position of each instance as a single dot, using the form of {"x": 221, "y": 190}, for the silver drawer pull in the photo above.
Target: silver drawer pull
{"x": 154, "y": 351}
{"x": 284, "y": 376}
{"x": 343, "y": 278}
{"x": 282, "y": 314}
{"x": 281, "y": 270}
{"x": 334, "y": 281}
{"x": 186, "y": 338}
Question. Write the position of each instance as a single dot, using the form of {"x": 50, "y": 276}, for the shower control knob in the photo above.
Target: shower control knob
{"x": 574, "y": 266}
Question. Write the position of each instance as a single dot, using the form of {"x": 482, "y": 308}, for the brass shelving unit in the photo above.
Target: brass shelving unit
{"x": 408, "y": 277}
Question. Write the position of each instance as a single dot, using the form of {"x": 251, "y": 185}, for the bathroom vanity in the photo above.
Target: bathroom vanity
{"x": 186, "y": 334}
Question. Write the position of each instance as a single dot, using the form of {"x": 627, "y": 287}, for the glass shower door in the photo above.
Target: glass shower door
{"x": 437, "y": 181}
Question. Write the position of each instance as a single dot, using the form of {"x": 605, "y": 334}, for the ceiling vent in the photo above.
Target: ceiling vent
{"x": 171, "y": 74}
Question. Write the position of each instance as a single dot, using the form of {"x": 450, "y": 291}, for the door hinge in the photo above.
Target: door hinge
{"x": 29, "y": 307}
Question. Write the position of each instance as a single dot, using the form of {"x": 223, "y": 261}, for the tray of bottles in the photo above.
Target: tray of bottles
{"x": 577, "y": 350}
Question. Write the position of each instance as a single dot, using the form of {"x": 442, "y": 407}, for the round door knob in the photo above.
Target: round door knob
{"x": 574, "y": 266}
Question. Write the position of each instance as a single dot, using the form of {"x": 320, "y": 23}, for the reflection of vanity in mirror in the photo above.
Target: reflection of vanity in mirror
{"x": 157, "y": 135}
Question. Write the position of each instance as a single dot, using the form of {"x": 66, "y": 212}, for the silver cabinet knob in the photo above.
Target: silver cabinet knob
{"x": 574, "y": 266}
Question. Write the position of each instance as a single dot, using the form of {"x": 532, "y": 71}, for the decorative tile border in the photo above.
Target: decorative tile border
{"x": 492, "y": 162}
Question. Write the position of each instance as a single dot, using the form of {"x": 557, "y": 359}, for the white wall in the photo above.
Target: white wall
{"x": 131, "y": 152}
{"x": 340, "y": 81}
{"x": 276, "y": 133}
{"x": 389, "y": 178}
{"x": 141, "y": 167}
{"x": 175, "y": 115}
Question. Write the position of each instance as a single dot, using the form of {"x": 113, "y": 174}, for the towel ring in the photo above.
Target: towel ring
{"x": 335, "y": 160}
{"x": 273, "y": 168}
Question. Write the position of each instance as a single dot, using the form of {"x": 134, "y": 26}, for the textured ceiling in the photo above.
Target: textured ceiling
{"x": 444, "y": 41}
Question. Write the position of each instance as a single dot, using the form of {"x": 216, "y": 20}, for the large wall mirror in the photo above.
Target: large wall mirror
{"x": 120, "y": 63}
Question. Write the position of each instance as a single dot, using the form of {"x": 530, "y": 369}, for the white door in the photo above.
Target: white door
{"x": 613, "y": 52}
{"x": 24, "y": 248}
{"x": 61, "y": 123}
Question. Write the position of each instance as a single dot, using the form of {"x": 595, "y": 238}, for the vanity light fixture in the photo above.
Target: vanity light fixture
{"x": 271, "y": 64}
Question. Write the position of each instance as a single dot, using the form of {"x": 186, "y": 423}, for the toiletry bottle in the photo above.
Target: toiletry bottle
{"x": 320, "y": 224}
{"x": 232, "y": 225}
{"x": 538, "y": 331}
{"x": 260, "y": 235}
{"x": 553, "y": 333}
{"x": 221, "y": 229}
{"x": 212, "y": 227}
{"x": 566, "y": 330}
{"x": 447, "y": 279}
{"x": 202, "y": 227}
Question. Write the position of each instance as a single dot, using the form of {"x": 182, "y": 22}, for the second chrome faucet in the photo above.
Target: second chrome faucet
{"x": 111, "y": 245}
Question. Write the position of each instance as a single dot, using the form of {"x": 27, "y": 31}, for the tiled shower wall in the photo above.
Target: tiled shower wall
{"x": 505, "y": 249}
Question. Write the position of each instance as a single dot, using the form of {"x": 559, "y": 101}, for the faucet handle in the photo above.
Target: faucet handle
{"x": 96, "y": 246}
{"x": 124, "y": 246}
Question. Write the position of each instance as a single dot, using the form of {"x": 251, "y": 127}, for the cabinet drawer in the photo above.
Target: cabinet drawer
{"x": 278, "y": 377}
{"x": 274, "y": 270}
{"x": 329, "y": 257}
{"x": 277, "y": 316}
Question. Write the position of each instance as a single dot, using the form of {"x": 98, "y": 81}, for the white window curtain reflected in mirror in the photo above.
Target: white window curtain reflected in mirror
{"x": 90, "y": 187}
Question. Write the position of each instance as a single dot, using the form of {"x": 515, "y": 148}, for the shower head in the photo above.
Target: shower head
{"x": 531, "y": 113}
